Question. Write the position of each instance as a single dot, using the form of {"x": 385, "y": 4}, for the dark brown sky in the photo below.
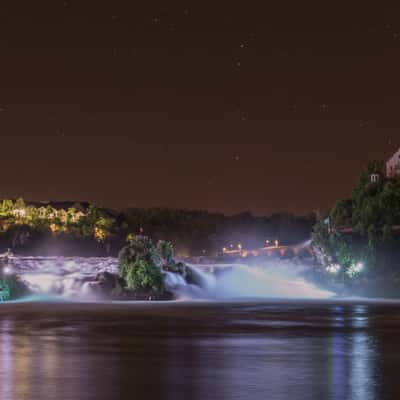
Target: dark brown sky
{"x": 219, "y": 105}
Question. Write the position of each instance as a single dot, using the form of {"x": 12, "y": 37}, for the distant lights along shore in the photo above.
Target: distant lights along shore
{"x": 351, "y": 271}
{"x": 231, "y": 247}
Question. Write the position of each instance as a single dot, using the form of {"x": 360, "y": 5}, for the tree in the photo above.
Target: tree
{"x": 139, "y": 265}
{"x": 144, "y": 276}
{"x": 103, "y": 228}
{"x": 341, "y": 213}
{"x": 6, "y": 208}
{"x": 19, "y": 204}
{"x": 166, "y": 251}
{"x": 12, "y": 287}
{"x": 373, "y": 214}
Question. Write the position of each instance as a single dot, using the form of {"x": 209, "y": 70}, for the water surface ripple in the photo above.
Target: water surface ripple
{"x": 200, "y": 350}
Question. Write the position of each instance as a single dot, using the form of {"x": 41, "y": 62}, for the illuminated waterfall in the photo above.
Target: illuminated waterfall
{"x": 69, "y": 278}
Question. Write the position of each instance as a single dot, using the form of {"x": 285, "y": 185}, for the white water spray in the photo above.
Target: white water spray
{"x": 72, "y": 277}
{"x": 243, "y": 281}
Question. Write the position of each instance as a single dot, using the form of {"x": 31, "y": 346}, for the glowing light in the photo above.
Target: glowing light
{"x": 333, "y": 268}
{"x": 53, "y": 227}
{"x": 355, "y": 269}
{"x": 276, "y": 243}
{"x": 239, "y": 246}
{"x": 7, "y": 270}
{"x": 359, "y": 267}
{"x": 100, "y": 234}
{"x": 224, "y": 250}
{"x": 19, "y": 212}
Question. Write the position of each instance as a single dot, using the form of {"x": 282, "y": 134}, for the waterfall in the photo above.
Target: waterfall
{"x": 64, "y": 276}
{"x": 235, "y": 281}
{"x": 73, "y": 278}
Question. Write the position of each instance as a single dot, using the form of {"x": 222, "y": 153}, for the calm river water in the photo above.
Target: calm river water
{"x": 247, "y": 350}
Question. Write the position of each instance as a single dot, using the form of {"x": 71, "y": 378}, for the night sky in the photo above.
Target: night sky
{"x": 225, "y": 106}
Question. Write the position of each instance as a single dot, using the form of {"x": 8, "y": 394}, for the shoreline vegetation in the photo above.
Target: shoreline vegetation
{"x": 358, "y": 246}
{"x": 83, "y": 229}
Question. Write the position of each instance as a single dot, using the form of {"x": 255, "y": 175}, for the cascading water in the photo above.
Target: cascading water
{"x": 64, "y": 276}
{"x": 267, "y": 281}
{"x": 71, "y": 278}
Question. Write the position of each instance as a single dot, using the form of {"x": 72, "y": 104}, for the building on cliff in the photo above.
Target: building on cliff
{"x": 393, "y": 165}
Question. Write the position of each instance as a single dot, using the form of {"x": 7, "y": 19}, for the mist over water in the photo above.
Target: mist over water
{"x": 268, "y": 281}
{"x": 69, "y": 278}
{"x": 62, "y": 276}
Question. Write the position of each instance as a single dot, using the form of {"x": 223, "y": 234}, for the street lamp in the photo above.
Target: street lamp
{"x": 7, "y": 270}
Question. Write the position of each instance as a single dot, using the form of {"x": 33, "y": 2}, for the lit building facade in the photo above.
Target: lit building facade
{"x": 393, "y": 165}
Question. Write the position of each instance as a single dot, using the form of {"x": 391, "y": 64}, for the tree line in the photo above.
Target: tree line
{"x": 25, "y": 226}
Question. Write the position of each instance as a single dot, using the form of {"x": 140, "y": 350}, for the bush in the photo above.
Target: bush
{"x": 140, "y": 265}
{"x": 12, "y": 288}
{"x": 166, "y": 252}
{"x": 144, "y": 276}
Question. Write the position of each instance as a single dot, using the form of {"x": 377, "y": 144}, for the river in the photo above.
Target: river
{"x": 250, "y": 350}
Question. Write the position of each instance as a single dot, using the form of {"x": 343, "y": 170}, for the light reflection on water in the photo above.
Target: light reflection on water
{"x": 353, "y": 356}
{"x": 202, "y": 351}
{"x": 6, "y": 360}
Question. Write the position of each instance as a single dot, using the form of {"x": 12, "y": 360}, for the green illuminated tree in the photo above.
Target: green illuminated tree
{"x": 365, "y": 227}
{"x": 139, "y": 265}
